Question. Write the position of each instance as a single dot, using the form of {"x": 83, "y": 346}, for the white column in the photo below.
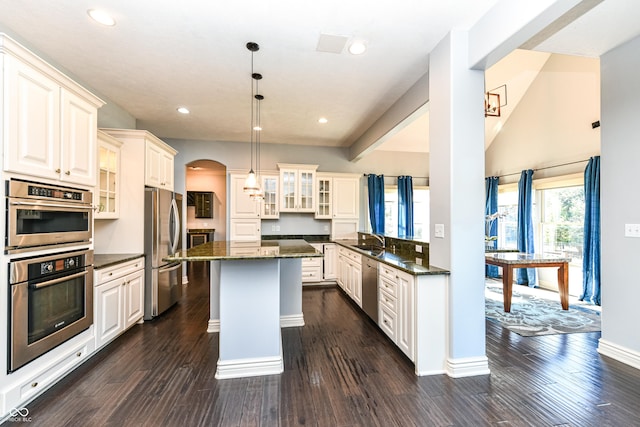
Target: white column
{"x": 457, "y": 198}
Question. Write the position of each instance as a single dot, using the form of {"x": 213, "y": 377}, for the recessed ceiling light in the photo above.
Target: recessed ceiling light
{"x": 357, "y": 47}
{"x": 101, "y": 17}
{"x": 322, "y": 120}
{"x": 183, "y": 110}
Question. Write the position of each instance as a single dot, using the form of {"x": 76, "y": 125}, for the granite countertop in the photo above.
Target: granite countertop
{"x": 310, "y": 238}
{"x": 201, "y": 230}
{"x": 520, "y": 258}
{"x": 229, "y": 250}
{"x": 402, "y": 261}
{"x": 107, "y": 260}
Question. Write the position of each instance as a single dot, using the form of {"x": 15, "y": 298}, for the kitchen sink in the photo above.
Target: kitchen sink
{"x": 373, "y": 250}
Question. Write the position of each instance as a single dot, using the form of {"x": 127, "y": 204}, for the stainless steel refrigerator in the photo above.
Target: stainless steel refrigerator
{"x": 162, "y": 236}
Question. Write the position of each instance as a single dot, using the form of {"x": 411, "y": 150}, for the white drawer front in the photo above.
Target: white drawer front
{"x": 387, "y": 322}
{"x": 389, "y": 286}
{"x": 389, "y": 301}
{"x": 388, "y": 272}
{"x": 119, "y": 270}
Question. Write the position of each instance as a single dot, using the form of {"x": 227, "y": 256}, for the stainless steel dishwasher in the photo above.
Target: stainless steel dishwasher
{"x": 370, "y": 287}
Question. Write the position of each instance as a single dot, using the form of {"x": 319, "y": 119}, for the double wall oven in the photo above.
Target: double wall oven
{"x": 48, "y": 237}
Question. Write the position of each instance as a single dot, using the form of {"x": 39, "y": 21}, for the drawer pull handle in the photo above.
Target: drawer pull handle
{"x": 79, "y": 354}
{"x": 34, "y": 385}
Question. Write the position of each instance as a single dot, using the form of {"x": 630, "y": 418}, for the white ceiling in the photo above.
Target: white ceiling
{"x": 163, "y": 54}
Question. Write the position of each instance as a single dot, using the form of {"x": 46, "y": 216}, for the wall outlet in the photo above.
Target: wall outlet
{"x": 419, "y": 249}
{"x": 277, "y": 228}
{"x": 326, "y": 228}
{"x": 439, "y": 231}
{"x": 419, "y": 261}
{"x": 632, "y": 230}
{"x": 273, "y": 228}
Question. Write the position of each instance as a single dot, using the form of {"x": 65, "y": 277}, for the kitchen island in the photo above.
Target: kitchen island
{"x": 254, "y": 291}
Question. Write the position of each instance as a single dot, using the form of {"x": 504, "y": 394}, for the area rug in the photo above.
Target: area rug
{"x": 533, "y": 316}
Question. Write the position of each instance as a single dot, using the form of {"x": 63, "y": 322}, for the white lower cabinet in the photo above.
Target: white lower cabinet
{"x": 118, "y": 299}
{"x": 350, "y": 273}
{"x": 330, "y": 262}
{"x": 312, "y": 267}
{"x": 396, "y": 316}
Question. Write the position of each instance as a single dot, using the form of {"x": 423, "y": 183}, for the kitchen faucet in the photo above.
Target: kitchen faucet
{"x": 379, "y": 238}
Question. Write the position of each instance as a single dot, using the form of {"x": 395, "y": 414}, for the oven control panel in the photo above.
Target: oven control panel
{"x": 57, "y": 265}
{"x": 54, "y": 193}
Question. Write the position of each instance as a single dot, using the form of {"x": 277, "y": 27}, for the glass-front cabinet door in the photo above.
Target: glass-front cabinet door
{"x": 270, "y": 202}
{"x": 306, "y": 196}
{"x": 323, "y": 209}
{"x": 297, "y": 187}
{"x": 106, "y": 194}
{"x": 289, "y": 185}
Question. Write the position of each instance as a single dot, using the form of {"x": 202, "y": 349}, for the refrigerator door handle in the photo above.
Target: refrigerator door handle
{"x": 176, "y": 226}
{"x": 173, "y": 267}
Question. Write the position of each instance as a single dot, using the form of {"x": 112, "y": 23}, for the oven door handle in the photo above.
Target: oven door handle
{"x": 50, "y": 205}
{"x": 58, "y": 280}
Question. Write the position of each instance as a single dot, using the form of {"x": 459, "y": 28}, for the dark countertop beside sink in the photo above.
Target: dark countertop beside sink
{"x": 398, "y": 260}
{"x": 107, "y": 260}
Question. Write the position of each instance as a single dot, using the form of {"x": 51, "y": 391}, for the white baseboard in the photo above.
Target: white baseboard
{"x": 291, "y": 320}
{"x": 241, "y": 368}
{"x": 619, "y": 353}
{"x": 213, "y": 326}
{"x": 288, "y": 321}
{"x": 468, "y": 367}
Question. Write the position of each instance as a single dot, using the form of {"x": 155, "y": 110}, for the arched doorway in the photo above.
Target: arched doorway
{"x": 206, "y": 180}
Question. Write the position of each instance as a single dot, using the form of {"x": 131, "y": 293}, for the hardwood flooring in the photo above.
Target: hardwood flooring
{"x": 340, "y": 370}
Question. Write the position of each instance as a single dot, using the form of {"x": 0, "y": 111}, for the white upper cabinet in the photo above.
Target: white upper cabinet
{"x": 297, "y": 187}
{"x": 158, "y": 164}
{"x": 107, "y": 192}
{"x": 50, "y": 122}
{"x": 79, "y": 139}
{"x": 158, "y": 156}
{"x": 338, "y": 196}
{"x": 324, "y": 208}
{"x": 346, "y": 196}
{"x": 270, "y": 203}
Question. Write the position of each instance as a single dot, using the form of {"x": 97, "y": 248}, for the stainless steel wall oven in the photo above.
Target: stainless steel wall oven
{"x": 51, "y": 301}
{"x": 38, "y": 215}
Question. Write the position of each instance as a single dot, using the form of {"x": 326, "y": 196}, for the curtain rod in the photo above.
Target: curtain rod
{"x": 546, "y": 167}
{"x": 396, "y": 176}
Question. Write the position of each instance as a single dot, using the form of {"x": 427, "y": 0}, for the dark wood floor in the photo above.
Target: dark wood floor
{"x": 340, "y": 370}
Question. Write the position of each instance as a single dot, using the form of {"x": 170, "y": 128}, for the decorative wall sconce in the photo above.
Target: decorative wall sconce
{"x": 494, "y": 100}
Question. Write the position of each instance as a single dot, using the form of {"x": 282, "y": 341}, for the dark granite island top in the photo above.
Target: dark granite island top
{"x": 229, "y": 250}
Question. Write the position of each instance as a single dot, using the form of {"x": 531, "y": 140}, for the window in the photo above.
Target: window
{"x": 420, "y": 212}
{"x": 508, "y": 224}
{"x": 562, "y": 221}
{"x": 558, "y": 223}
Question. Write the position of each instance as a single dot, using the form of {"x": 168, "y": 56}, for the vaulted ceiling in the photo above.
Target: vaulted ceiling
{"x": 161, "y": 55}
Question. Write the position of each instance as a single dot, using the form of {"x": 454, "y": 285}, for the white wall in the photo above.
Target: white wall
{"x": 620, "y": 201}
{"x": 551, "y": 125}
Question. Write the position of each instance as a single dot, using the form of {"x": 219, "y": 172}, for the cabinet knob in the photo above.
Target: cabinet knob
{"x": 58, "y": 170}
{"x": 67, "y": 173}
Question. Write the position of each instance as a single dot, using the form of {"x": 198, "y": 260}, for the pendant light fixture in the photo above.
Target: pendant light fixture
{"x": 259, "y": 193}
{"x": 251, "y": 183}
